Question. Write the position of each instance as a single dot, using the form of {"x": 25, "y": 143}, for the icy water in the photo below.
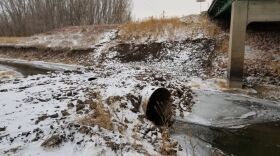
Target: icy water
{"x": 232, "y": 124}
{"x": 22, "y": 69}
{"x": 256, "y": 140}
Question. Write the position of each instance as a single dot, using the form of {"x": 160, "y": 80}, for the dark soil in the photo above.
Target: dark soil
{"x": 131, "y": 52}
{"x": 138, "y": 52}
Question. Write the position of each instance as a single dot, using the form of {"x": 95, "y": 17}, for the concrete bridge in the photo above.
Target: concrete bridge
{"x": 242, "y": 12}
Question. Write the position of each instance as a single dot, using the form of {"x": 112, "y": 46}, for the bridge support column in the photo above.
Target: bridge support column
{"x": 239, "y": 17}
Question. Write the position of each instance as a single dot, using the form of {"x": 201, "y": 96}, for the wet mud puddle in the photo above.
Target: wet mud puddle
{"x": 230, "y": 124}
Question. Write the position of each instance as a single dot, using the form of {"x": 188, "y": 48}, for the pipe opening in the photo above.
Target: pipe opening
{"x": 159, "y": 108}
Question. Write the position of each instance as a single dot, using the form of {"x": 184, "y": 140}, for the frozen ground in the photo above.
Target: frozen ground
{"x": 53, "y": 106}
{"x": 57, "y": 112}
{"x": 73, "y": 37}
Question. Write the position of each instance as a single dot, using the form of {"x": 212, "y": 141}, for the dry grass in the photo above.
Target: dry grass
{"x": 223, "y": 45}
{"x": 222, "y": 84}
{"x": 170, "y": 28}
{"x": 209, "y": 28}
{"x": 202, "y": 24}
{"x": 6, "y": 74}
{"x": 167, "y": 146}
{"x": 99, "y": 116}
{"x": 11, "y": 40}
{"x": 268, "y": 92}
{"x": 275, "y": 66}
{"x": 165, "y": 112}
{"x": 152, "y": 27}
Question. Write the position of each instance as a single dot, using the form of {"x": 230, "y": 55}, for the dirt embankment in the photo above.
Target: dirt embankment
{"x": 131, "y": 52}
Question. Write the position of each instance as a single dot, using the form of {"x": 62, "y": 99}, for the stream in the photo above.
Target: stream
{"x": 10, "y": 68}
{"x": 22, "y": 70}
{"x": 230, "y": 124}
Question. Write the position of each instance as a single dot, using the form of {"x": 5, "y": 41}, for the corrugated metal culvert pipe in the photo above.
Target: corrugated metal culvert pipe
{"x": 156, "y": 105}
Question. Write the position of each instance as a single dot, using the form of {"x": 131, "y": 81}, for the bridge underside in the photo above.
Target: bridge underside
{"x": 242, "y": 13}
{"x": 220, "y": 9}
